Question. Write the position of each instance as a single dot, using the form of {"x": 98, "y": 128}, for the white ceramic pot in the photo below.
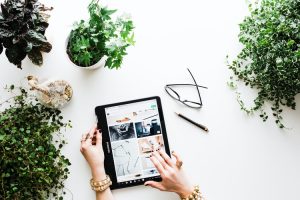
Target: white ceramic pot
{"x": 100, "y": 63}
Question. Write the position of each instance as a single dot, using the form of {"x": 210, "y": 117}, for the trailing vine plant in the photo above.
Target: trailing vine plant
{"x": 31, "y": 163}
{"x": 270, "y": 58}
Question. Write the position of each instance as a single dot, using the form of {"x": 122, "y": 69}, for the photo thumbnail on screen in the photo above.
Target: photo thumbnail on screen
{"x": 148, "y": 127}
{"x": 121, "y": 132}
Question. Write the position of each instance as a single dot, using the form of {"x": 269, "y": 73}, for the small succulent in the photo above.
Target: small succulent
{"x": 22, "y": 28}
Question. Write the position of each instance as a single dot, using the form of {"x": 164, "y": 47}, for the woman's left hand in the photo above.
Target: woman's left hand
{"x": 173, "y": 176}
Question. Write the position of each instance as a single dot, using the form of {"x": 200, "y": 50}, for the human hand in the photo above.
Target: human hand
{"x": 173, "y": 177}
{"x": 91, "y": 149}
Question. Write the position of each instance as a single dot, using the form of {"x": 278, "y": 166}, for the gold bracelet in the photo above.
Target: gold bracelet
{"x": 196, "y": 194}
{"x": 100, "y": 186}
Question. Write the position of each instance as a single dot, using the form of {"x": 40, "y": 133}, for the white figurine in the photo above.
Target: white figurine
{"x": 55, "y": 94}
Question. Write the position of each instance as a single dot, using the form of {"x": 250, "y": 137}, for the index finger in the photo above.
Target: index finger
{"x": 157, "y": 165}
{"x": 91, "y": 133}
{"x": 98, "y": 141}
{"x": 93, "y": 130}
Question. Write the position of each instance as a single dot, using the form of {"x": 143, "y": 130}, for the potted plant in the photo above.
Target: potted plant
{"x": 32, "y": 164}
{"x": 22, "y": 28}
{"x": 100, "y": 41}
{"x": 269, "y": 60}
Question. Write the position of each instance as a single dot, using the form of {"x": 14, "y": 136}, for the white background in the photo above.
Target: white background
{"x": 241, "y": 158}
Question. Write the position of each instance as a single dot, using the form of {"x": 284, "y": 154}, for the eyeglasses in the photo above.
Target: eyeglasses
{"x": 176, "y": 96}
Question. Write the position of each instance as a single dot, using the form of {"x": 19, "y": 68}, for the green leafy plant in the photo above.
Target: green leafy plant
{"x": 270, "y": 59}
{"x": 22, "y": 28}
{"x": 31, "y": 163}
{"x": 100, "y": 36}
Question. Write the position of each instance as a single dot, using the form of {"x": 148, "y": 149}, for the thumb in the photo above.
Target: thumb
{"x": 155, "y": 184}
{"x": 98, "y": 138}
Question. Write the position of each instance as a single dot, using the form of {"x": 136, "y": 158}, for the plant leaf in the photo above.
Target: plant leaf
{"x": 41, "y": 27}
{"x": 5, "y": 33}
{"x": 105, "y": 12}
{"x": 4, "y": 11}
{"x": 36, "y": 57}
{"x": 110, "y": 12}
{"x": 1, "y": 48}
{"x": 28, "y": 48}
{"x": 35, "y": 37}
{"x": 45, "y": 47}
{"x": 15, "y": 55}
{"x": 32, "y": 1}
{"x": 7, "y": 42}
{"x": 2, "y": 137}
{"x": 130, "y": 39}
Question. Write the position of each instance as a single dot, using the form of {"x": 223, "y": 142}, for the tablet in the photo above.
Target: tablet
{"x": 130, "y": 131}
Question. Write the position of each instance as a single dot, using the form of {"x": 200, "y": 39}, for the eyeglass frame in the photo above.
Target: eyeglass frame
{"x": 168, "y": 86}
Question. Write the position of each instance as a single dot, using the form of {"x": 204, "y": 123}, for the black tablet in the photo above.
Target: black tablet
{"x": 130, "y": 131}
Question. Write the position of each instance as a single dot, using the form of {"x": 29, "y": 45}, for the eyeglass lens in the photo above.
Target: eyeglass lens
{"x": 172, "y": 93}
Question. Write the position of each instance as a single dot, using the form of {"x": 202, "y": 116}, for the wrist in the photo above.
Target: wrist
{"x": 98, "y": 174}
{"x": 185, "y": 191}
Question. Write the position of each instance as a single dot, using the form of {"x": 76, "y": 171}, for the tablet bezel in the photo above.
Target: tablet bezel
{"x": 109, "y": 162}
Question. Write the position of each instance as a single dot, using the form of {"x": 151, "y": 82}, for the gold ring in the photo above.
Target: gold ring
{"x": 179, "y": 164}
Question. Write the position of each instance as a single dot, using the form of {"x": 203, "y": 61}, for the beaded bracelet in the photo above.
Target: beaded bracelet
{"x": 99, "y": 186}
{"x": 196, "y": 195}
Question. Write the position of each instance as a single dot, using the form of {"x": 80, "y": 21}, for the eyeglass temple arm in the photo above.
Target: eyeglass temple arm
{"x": 187, "y": 85}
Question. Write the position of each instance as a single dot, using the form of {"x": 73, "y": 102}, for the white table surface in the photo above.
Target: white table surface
{"x": 241, "y": 158}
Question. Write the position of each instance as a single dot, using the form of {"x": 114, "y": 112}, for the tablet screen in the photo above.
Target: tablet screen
{"x": 134, "y": 131}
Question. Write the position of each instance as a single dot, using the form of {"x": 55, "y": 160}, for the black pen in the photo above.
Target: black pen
{"x": 191, "y": 121}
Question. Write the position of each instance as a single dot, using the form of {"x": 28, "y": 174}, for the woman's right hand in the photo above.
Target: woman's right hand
{"x": 173, "y": 177}
{"x": 91, "y": 149}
